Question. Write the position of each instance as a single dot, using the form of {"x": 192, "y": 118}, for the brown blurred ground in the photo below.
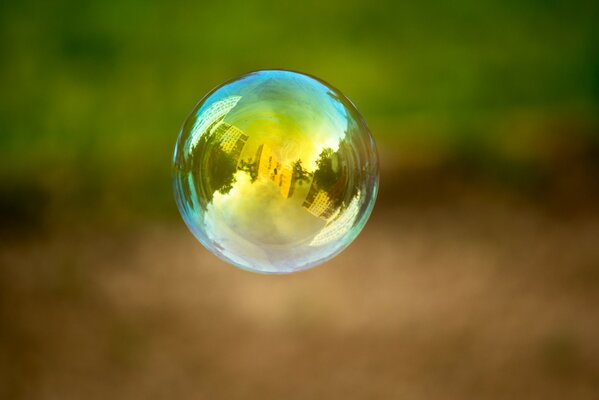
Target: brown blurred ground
{"x": 469, "y": 293}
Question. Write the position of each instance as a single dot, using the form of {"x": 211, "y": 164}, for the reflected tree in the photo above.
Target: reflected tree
{"x": 222, "y": 169}
{"x": 212, "y": 168}
{"x": 300, "y": 174}
{"x": 250, "y": 167}
{"x": 325, "y": 175}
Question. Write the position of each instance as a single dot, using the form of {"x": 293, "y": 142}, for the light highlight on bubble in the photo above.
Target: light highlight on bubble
{"x": 275, "y": 172}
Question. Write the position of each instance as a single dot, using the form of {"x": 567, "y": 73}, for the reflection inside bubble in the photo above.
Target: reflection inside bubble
{"x": 275, "y": 172}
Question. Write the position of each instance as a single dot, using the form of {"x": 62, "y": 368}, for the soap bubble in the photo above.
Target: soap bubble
{"x": 275, "y": 172}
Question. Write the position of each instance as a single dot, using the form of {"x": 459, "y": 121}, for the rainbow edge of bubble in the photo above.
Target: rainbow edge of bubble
{"x": 275, "y": 172}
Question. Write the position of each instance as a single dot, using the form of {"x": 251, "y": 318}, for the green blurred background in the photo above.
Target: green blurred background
{"x": 477, "y": 276}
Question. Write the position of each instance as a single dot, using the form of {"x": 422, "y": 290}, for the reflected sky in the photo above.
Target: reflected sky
{"x": 275, "y": 172}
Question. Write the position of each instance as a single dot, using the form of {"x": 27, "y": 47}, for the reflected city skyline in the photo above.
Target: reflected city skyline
{"x": 326, "y": 184}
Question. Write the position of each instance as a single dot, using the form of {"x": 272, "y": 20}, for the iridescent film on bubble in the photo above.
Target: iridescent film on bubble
{"x": 275, "y": 172}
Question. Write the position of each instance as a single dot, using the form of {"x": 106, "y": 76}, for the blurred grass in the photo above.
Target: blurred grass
{"x": 95, "y": 92}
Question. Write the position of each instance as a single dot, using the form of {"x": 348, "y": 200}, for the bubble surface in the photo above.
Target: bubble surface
{"x": 275, "y": 172}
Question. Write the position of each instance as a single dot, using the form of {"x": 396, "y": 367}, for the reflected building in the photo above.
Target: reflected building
{"x": 230, "y": 138}
{"x": 318, "y": 203}
{"x": 209, "y": 118}
{"x": 269, "y": 167}
{"x": 324, "y": 203}
{"x": 266, "y": 163}
{"x": 341, "y": 222}
{"x": 285, "y": 181}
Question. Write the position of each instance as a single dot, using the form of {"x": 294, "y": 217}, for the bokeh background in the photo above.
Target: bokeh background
{"x": 476, "y": 277}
